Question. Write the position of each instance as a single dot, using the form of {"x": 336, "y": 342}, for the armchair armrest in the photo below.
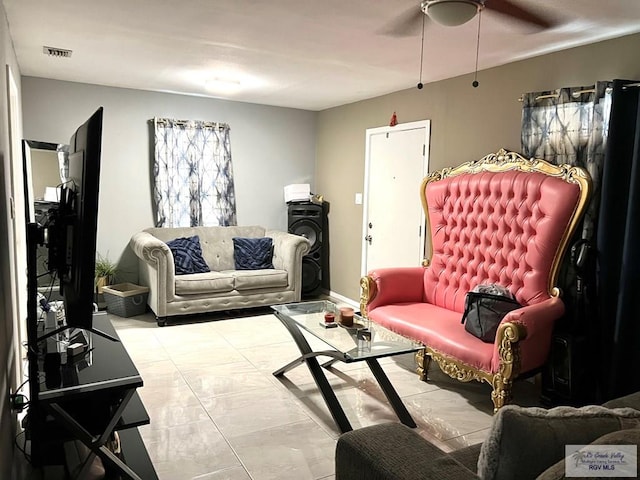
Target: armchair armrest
{"x": 535, "y": 324}
{"x": 288, "y": 250}
{"x": 393, "y": 285}
{"x": 156, "y": 270}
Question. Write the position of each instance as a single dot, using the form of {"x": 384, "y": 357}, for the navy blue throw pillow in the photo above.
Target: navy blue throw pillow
{"x": 253, "y": 253}
{"x": 187, "y": 255}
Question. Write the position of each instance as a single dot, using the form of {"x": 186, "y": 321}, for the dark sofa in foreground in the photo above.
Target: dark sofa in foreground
{"x": 523, "y": 443}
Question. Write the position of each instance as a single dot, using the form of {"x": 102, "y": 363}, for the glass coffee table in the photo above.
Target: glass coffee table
{"x": 362, "y": 342}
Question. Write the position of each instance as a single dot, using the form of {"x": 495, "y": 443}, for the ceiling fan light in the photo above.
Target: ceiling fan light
{"x": 452, "y": 13}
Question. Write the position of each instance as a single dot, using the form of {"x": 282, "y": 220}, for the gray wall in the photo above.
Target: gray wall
{"x": 270, "y": 147}
{"x": 8, "y": 310}
{"x": 466, "y": 124}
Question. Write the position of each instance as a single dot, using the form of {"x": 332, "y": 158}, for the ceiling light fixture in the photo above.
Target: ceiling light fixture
{"x": 221, "y": 84}
{"x": 223, "y": 81}
{"x": 451, "y": 13}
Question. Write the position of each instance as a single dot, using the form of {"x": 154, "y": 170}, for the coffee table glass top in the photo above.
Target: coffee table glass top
{"x": 363, "y": 340}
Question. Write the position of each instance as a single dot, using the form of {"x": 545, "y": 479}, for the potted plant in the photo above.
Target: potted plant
{"x": 106, "y": 272}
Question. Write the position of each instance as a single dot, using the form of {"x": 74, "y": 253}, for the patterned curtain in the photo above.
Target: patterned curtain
{"x": 193, "y": 174}
{"x": 570, "y": 125}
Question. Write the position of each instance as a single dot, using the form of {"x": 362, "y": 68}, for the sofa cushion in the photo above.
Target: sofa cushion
{"x": 211, "y": 282}
{"x": 437, "y": 328}
{"x": 632, "y": 400}
{"x": 253, "y": 253}
{"x": 187, "y": 255}
{"x": 254, "y": 279}
{"x": 523, "y": 442}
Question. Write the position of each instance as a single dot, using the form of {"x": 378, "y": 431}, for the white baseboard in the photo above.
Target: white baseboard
{"x": 342, "y": 298}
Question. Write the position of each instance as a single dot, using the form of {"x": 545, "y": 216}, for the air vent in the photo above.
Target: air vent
{"x": 56, "y": 52}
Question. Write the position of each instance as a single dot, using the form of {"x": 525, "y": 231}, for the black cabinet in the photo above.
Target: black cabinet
{"x": 85, "y": 399}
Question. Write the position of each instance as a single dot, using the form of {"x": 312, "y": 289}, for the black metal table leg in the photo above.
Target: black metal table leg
{"x": 309, "y": 357}
{"x": 390, "y": 392}
{"x": 329, "y": 396}
{"x": 329, "y": 363}
{"x": 302, "y": 358}
{"x": 289, "y": 366}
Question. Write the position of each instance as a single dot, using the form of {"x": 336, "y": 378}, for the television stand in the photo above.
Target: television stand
{"x": 67, "y": 327}
{"x": 86, "y": 398}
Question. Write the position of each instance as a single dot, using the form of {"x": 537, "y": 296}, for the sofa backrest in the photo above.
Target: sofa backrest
{"x": 216, "y": 242}
{"x": 503, "y": 220}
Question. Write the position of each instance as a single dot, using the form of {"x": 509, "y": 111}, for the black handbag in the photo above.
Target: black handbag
{"x": 483, "y": 313}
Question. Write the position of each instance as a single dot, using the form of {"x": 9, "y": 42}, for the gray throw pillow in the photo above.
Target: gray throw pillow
{"x": 630, "y": 436}
{"x": 524, "y": 442}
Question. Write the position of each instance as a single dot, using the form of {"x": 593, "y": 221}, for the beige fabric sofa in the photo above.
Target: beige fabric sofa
{"x": 224, "y": 288}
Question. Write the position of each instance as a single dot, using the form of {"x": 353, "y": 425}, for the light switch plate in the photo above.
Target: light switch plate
{"x": 358, "y": 199}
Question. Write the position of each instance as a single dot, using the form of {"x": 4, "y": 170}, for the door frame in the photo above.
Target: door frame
{"x": 17, "y": 220}
{"x": 370, "y": 132}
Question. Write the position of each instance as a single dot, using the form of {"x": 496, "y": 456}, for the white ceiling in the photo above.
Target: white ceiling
{"x": 308, "y": 54}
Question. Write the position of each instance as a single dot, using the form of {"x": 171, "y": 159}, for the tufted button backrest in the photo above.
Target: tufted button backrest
{"x": 495, "y": 227}
{"x": 216, "y": 242}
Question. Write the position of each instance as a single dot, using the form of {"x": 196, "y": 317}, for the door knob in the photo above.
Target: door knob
{"x": 368, "y": 238}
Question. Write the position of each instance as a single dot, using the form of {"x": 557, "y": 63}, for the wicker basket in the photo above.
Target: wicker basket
{"x": 126, "y": 299}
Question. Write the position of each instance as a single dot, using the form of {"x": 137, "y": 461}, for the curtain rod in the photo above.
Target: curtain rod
{"x": 577, "y": 93}
{"x": 162, "y": 121}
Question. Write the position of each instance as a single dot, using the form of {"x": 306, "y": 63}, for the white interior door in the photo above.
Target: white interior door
{"x": 393, "y": 221}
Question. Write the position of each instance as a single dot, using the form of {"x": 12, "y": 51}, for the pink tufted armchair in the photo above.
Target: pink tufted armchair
{"x": 503, "y": 219}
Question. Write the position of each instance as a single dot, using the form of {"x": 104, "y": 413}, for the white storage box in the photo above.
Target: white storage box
{"x": 297, "y": 192}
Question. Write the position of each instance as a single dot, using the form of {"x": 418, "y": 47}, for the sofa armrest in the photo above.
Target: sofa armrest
{"x": 288, "y": 250}
{"x": 536, "y": 323}
{"x": 393, "y": 452}
{"x": 394, "y": 285}
{"x": 156, "y": 270}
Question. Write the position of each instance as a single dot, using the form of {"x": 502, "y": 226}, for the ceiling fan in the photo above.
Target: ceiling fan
{"x": 458, "y": 12}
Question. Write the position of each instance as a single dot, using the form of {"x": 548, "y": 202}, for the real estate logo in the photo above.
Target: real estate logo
{"x": 620, "y": 461}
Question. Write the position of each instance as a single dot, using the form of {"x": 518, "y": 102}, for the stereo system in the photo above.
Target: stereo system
{"x": 311, "y": 220}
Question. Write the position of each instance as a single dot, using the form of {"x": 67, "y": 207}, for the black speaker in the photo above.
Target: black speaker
{"x": 566, "y": 377}
{"x": 311, "y": 221}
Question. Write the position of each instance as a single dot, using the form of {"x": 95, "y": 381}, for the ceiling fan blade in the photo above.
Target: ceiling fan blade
{"x": 506, "y": 7}
{"x": 407, "y": 24}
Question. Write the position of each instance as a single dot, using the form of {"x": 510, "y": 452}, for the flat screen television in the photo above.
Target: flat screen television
{"x": 70, "y": 233}
{"x": 79, "y": 218}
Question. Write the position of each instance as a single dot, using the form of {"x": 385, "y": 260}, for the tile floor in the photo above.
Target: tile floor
{"x": 218, "y": 413}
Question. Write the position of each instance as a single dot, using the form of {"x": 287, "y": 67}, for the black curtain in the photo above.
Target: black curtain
{"x": 617, "y": 352}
